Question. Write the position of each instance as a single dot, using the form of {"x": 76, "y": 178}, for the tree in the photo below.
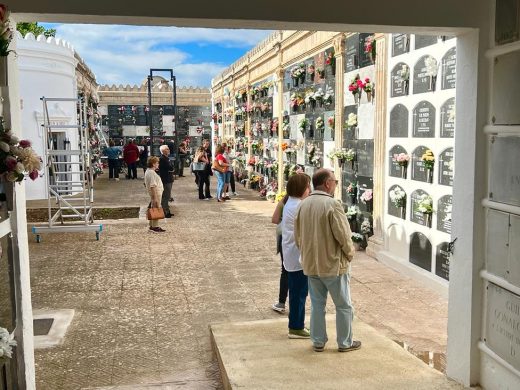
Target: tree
{"x": 34, "y": 28}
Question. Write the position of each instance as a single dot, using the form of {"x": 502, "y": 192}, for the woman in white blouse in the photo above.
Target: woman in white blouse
{"x": 155, "y": 188}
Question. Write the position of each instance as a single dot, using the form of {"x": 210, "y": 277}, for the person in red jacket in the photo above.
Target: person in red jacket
{"x": 131, "y": 156}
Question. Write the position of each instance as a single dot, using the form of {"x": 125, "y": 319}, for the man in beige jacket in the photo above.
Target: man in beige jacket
{"x": 323, "y": 235}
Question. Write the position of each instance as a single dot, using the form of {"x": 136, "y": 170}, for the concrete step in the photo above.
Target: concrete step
{"x": 258, "y": 355}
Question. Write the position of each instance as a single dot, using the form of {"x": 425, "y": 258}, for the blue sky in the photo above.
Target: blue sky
{"x": 125, "y": 54}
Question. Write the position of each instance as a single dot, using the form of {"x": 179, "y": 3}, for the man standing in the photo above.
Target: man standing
{"x": 203, "y": 176}
{"x": 166, "y": 174}
{"x": 323, "y": 236}
{"x": 131, "y": 156}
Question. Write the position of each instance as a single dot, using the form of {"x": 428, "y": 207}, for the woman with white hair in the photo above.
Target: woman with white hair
{"x": 155, "y": 188}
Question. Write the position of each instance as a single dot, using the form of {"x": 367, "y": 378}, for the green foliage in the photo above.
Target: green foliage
{"x": 34, "y": 28}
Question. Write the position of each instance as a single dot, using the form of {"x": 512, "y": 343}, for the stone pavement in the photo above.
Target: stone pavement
{"x": 144, "y": 301}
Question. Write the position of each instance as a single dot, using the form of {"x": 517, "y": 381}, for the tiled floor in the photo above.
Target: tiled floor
{"x": 144, "y": 300}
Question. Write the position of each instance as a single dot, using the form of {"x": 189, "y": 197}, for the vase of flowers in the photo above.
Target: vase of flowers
{"x": 370, "y": 48}
{"x": 17, "y": 158}
{"x": 425, "y": 206}
{"x": 432, "y": 68}
{"x": 402, "y": 160}
{"x": 428, "y": 160}
{"x": 357, "y": 240}
{"x": 331, "y": 61}
{"x": 302, "y": 125}
{"x": 398, "y": 198}
{"x": 355, "y": 87}
{"x": 352, "y": 192}
{"x": 368, "y": 87}
{"x": 352, "y": 213}
{"x": 367, "y": 198}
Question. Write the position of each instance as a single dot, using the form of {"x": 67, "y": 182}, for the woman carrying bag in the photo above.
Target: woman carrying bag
{"x": 199, "y": 168}
{"x": 153, "y": 184}
{"x": 220, "y": 167}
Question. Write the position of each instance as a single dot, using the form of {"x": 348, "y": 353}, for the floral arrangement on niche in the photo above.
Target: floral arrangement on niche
{"x": 366, "y": 196}
{"x": 271, "y": 196}
{"x": 398, "y": 197}
{"x": 357, "y": 237}
{"x": 320, "y": 125}
{"x": 318, "y": 96}
{"x": 302, "y": 125}
{"x": 425, "y": 204}
{"x": 356, "y": 86}
{"x": 298, "y": 71}
{"x": 370, "y": 48}
{"x": 331, "y": 121}
{"x": 352, "y": 189}
{"x": 331, "y": 60}
{"x": 17, "y": 158}
{"x": 6, "y": 34}
{"x": 401, "y": 159}
{"x": 310, "y": 99}
{"x": 368, "y": 87}
{"x": 352, "y": 212}
{"x": 428, "y": 159}
{"x": 6, "y": 344}
{"x": 328, "y": 97}
{"x": 351, "y": 120}
{"x": 321, "y": 72}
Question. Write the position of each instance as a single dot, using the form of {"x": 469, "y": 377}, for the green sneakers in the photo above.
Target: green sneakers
{"x": 299, "y": 333}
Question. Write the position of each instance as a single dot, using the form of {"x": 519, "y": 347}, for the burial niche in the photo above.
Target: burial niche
{"x": 420, "y": 251}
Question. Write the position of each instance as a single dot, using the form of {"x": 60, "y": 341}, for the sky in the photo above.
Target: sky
{"x": 125, "y": 54}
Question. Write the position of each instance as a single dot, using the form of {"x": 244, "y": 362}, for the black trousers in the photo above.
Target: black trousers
{"x": 284, "y": 275}
{"x": 132, "y": 170}
{"x": 113, "y": 168}
{"x": 203, "y": 177}
{"x": 232, "y": 182}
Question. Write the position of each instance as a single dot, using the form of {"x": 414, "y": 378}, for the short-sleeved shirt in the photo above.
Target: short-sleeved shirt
{"x": 291, "y": 253}
{"x": 220, "y": 158}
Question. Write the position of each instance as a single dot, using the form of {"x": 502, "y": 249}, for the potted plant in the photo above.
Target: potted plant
{"x": 428, "y": 160}
{"x": 402, "y": 160}
{"x": 425, "y": 206}
{"x": 357, "y": 240}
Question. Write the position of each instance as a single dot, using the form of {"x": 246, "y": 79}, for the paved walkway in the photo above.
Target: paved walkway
{"x": 144, "y": 301}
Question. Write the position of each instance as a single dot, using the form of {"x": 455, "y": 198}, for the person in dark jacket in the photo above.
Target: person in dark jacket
{"x": 143, "y": 155}
{"x": 166, "y": 174}
{"x": 131, "y": 156}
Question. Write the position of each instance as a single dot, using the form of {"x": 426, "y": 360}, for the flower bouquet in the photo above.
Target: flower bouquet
{"x": 6, "y": 344}
{"x": 366, "y": 197}
{"x": 358, "y": 239}
{"x": 17, "y": 158}
{"x": 302, "y": 125}
{"x": 366, "y": 227}
{"x": 368, "y": 87}
{"x": 432, "y": 67}
{"x": 352, "y": 213}
{"x": 428, "y": 160}
{"x": 331, "y": 61}
{"x": 370, "y": 48}
{"x": 330, "y": 122}
{"x": 352, "y": 192}
{"x": 402, "y": 160}
{"x": 425, "y": 206}
{"x": 318, "y": 96}
{"x": 310, "y": 100}
{"x": 355, "y": 87}
{"x": 271, "y": 196}
{"x": 280, "y": 196}
{"x": 6, "y": 35}
{"x": 398, "y": 198}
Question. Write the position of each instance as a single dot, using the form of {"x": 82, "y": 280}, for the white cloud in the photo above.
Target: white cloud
{"x": 124, "y": 54}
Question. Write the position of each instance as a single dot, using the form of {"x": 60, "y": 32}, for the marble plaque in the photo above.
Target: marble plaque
{"x": 502, "y": 332}
{"x": 352, "y": 53}
{"x": 442, "y": 261}
{"x": 399, "y": 212}
{"x": 400, "y": 44}
{"x": 444, "y": 206}
{"x": 449, "y": 62}
{"x": 365, "y": 158}
{"x": 418, "y": 171}
{"x": 424, "y": 40}
{"x": 448, "y": 118}
{"x": 395, "y": 170}
{"x": 398, "y": 85}
{"x": 424, "y": 120}
{"x": 507, "y": 16}
{"x": 422, "y": 82}
{"x": 506, "y": 89}
{"x": 446, "y": 165}
{"x": 365, "y": 59}
{"x": 399, "y": 121}
{"x": 504, "y": 181}
{"x": 421, "y": 251}
{"x": 415, "y": 215}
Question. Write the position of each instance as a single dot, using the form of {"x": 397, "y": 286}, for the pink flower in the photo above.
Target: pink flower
{"x": 4, "y": 13}
{"x": 34, "y": 175}
{"x": 24, "y": 143}
{"x": 10, "y": 162}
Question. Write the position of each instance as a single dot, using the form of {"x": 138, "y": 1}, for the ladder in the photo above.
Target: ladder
{"x": 101, "y": 136}
{"x": 69, "y": 176}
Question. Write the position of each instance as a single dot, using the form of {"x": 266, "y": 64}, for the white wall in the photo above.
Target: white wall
{"x": 46, "y": 68}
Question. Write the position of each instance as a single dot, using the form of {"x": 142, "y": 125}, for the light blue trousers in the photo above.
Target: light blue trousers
{"x": 221, "y": 179}
{"x": 339, "y": 289}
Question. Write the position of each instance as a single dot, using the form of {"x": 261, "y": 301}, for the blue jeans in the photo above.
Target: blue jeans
{"x": 339, "y": 289}
{"x": 221, "y": 179}
{"x": 298, "y": 289}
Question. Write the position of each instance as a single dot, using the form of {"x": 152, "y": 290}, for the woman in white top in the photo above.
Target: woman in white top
{"x": 298, "y": 188}
{"x": 155, "y": 188}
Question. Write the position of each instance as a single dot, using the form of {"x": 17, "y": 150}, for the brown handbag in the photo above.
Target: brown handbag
{"x": 217, "y": 167}
{"x": 154, "y": 213}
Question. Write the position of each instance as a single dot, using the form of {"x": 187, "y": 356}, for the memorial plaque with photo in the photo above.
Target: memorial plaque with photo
{"x": 502, "y": 332}
{"x": 415, "y": 215}
{"x": 421, "y": 251}
{"x": 365, "y": 158}
{"x": 352, "y": 53}
{"x": 418, "y": 171}
{"x": 421, "y": 79}
{"x": 449, "y": 62}
{"x": 399, "y": 85}
{"x": 365, "y": 59}
{"x": 444, "y": 206}
{"x": 446, "y": 167}
{"x": 424, "y": 120}
{"x": 400, "y": 44}
{"x": 399, "y": 212}
{"x": 448, "y": 118}
{"x": 425, "y": 40}
{"x": 442, "y": 261}
{"x": 395, "y": 169}
{"x": 399, "y": 121}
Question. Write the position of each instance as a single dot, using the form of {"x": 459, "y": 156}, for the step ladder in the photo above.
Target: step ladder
{"x": 101, "y": 136}
{"x": 69, "y": 176}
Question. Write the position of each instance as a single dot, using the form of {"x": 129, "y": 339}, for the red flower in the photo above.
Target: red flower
{"x": 24, "y": 143}
{"x": 34, "y": 175}
{"x": 367, "y": 80}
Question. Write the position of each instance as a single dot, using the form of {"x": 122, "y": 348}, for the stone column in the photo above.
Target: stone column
{"x": 279, "y": 110}
{"x": 376, "y": 243}
{"x": 339, "y": 49}
{"x": 248, "y": 123}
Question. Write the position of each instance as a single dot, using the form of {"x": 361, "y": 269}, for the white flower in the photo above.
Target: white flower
{"x": 352, "y": 119}
{"x": 4, "y": 146}
{"x": 14, "y": 140}
{"x": 431, "y": 66}
{"x": 19, "y": 168}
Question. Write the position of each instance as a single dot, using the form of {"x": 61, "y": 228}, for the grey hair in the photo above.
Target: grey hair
{"x": 163, "y": 147}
